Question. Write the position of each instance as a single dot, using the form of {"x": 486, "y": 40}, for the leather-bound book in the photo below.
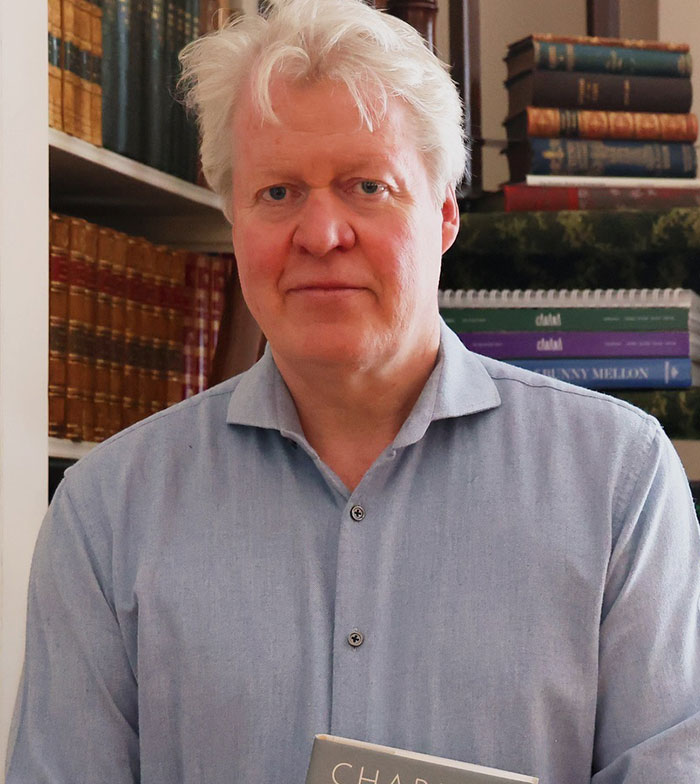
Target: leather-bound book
{"x": 59, "y": 239}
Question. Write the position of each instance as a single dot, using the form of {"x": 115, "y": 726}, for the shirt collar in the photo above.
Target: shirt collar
{"x": 458, "y": 386}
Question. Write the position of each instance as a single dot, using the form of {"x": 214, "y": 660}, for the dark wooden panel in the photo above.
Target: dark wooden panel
{"x": 603, "y": 17}
{"x": 465, "y": 56}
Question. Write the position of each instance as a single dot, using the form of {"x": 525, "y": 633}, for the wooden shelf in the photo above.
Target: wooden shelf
{"x": 121, "y": 193}
{"x": 72, "y": 450}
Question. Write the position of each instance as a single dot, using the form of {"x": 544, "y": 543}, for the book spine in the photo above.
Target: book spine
{"x": 554, "y": 56}
{"x": 105, "y": 254}
{"x": 109, "y": 71}
{"x": 191, "y": 135}
{"x": 586, "y": 124}
{"x": 571, "y": 90}
{"x": 59, "y": 237}
{"x": 96, "y": 75}
{"x": 83, "y": 35}
{"x": 55, "y": 62}
{"x": 132, "y": 334}
{"x": 178, "y": 306}
{"x": 117, "y": 326}
{"x": 135, "y": 106}
{"x": 77, "y": 328}
{"x": 149, "y": 325}
{"x": 120, "y": 112}
{"x": 155, "y": 84}
{"x": 191, "y": 338}
{"x": 524, "y": 198}
{"x": 588, "y": 319}
{"x": 614, "y": 373}
{"x": 178, "y": 165}
{"x": 202, "y": 316}
{"x": 216, "y": 303}
{"x": 612, "y": 158}
{"x": 90, "y": 304}
{"x": 633, "y": 43}
{"x": 170, "y": 71}
{"x": 161, "y": 259}
{"x": 71, "y": 69}
{"x": 533, "y": 345}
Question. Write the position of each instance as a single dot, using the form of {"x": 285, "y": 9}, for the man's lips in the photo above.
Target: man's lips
{"x": 324, "y": 287}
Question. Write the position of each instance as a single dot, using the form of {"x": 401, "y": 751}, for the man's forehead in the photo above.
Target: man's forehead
{"x": 312, "y": 104}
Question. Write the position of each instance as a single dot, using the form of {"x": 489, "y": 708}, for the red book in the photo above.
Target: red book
{"x": 530, "y": 198}
{"x": 59, "y": 236}
{"x": 219, "y": 266}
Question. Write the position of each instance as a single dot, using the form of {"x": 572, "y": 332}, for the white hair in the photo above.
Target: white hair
{"x": 375, "y": 55}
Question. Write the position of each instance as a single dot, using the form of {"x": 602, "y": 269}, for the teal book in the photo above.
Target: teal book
{"x": 560, "y": 56}
{"x": 642, "y": 319}
{"x": 169, "y": 79}
{"x": 601, "y": 157}
{"x": 121, "y": 77}
{"x": 336, "y": 760}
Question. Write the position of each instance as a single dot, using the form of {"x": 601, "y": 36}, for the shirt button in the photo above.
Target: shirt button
{"x": 357, "y": 513}
{"x": 355, "y": 638}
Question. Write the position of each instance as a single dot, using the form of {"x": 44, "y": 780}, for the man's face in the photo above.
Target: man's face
{"x": 337, "y": 236}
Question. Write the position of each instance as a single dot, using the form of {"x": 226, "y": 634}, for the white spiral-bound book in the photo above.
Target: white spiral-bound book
{"x": 570, "y": 298}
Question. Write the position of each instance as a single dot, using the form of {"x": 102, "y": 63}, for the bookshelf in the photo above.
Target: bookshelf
{"x": 42, "y": 168}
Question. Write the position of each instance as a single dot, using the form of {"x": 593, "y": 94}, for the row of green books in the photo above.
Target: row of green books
{"x": 601, "y": 339}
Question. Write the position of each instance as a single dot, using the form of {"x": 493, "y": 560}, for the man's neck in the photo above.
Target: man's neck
{"x": 350, "y": 416}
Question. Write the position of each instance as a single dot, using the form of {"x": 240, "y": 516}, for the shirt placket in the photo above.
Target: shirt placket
{"x": 355, "y": 618}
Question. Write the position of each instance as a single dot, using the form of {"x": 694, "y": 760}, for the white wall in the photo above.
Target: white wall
{"x": 502, "y": 22}
{"x": 24, "y": 246}
{"x": 639, "y": 19}
{"x": 679, "y": 21}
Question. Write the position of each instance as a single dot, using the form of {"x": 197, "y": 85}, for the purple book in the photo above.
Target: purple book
{"x": 537, "y": 345}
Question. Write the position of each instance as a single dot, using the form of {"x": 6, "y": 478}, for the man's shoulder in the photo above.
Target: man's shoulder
{"x": 524, "y": 392}
{"x": 186, "y": 427}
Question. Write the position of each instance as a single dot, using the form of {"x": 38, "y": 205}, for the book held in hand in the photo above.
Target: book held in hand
{"x": 336, "y": 760}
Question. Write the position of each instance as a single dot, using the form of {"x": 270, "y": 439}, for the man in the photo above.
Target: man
{"x": 373, "y": 532}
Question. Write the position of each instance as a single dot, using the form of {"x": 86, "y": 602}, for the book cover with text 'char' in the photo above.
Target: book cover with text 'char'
{"x": 337, "y": 760}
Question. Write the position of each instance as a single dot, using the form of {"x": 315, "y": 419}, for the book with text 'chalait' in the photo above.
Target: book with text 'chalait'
{"x": 337, "y": 760}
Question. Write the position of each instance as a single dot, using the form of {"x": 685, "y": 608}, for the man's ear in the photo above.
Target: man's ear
{"x": 450, "y": 218}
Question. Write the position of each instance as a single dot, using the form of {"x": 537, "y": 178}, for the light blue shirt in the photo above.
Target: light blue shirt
{"x": 524, "y": 570}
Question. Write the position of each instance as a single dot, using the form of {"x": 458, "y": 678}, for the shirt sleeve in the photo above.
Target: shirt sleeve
{"x": 76, "y": 717}
{"x": 648, "y": 712}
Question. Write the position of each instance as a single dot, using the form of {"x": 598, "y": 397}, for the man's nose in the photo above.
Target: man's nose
{"x": 323, "y": 225}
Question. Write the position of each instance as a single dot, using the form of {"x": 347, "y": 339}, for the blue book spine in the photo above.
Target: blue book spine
{"x": 614, "y": 373}
{"x": 612, "y": 158}
{"x": 611, "y": 59}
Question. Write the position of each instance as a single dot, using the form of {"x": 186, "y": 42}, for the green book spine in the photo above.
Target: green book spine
{"x": 643, "y": 319}
{"x": 190, "y": 128}
{"x": 117, "y": 80}
{"x": 608, "y": 59}
{"x": 133, "y": 108}
{"x": 173, "y": 114}
{"x": 155, "y": 89}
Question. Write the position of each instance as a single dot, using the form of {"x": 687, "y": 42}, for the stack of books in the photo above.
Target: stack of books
{"x": 113, "y": 70}
{"x": 132, "y": 327}
{"x": 601, "y": 339}
{"x": 588, "y": 112}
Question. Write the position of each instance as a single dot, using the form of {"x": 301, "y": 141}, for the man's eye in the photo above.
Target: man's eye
{"x": 371, "y": 187}
{"x": 275, "y": 193}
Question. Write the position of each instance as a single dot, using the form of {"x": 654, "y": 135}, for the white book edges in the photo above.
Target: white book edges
{"x": 569, "y": 298}
{"x": 581, "y": 181}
